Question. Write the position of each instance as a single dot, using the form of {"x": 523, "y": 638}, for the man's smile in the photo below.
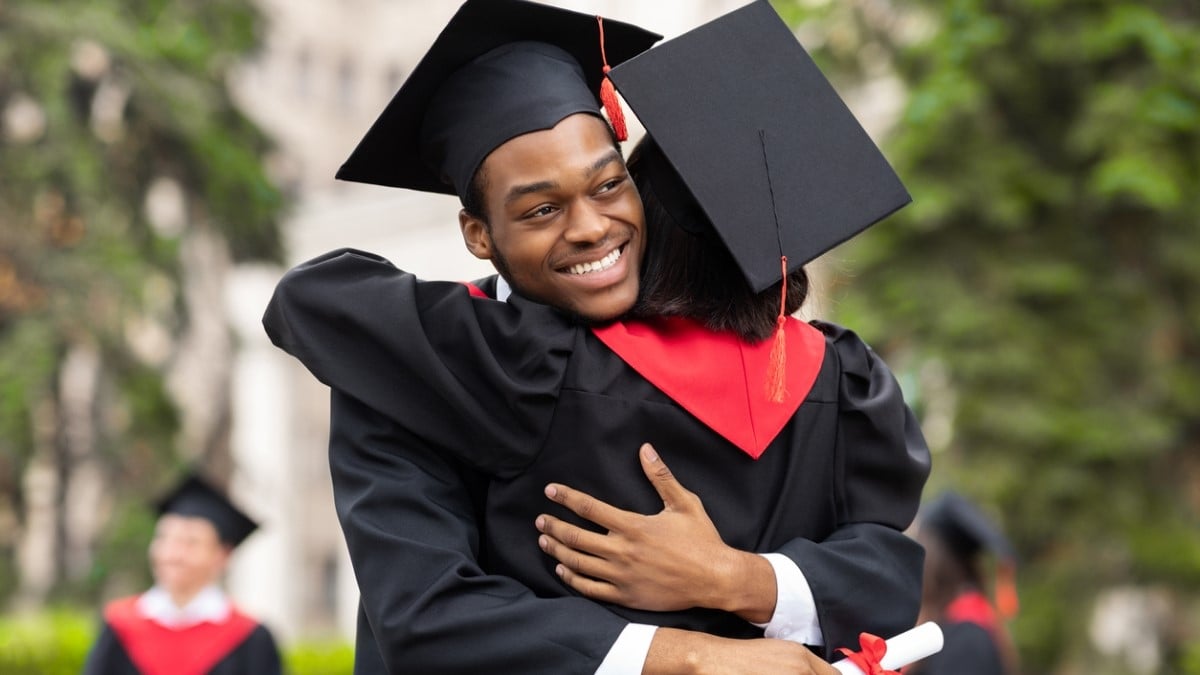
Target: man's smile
{"x": 596, "y": 265}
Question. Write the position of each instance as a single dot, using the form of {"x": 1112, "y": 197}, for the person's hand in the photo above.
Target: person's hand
{"x": 678, "y": 651}
{"x": 671, "y": 560}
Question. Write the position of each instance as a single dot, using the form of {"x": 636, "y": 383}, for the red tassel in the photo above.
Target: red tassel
{"x": 1006, "y": 591}
{"x": 777, "y": 377}
{"x": 612, "y": 107}
{"x": 608, "y": 94}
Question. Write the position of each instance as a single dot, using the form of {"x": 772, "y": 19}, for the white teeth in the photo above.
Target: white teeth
{"x": 597, "y": 266}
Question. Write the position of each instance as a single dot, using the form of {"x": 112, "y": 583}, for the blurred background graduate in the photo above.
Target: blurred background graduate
{"x": 958, "y": 539}
{"x": 185, "y": 624}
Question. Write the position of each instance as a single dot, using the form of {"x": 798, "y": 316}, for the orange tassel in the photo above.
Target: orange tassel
{"x": 777, "y": 380}
{"x": 608, "y": 94}
{"x": 1006, "y": 591}
{"x": 777, "y": 377}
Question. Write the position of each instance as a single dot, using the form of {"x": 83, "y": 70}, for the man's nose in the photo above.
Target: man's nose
{"x": 586, "y": 225}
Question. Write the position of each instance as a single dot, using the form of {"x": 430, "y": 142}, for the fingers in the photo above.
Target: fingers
{"x": 573, "y": 560}
{"x": 586, "y": 506}
{"x": 582, "y": 571}
{"x": 572, "y": 536}
{"x": 673, "y": 494}
{"x": 586, "y": 586}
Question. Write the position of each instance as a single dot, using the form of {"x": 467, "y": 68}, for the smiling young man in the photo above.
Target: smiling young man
{"x": 185, "y": 624}
{"x": 503, "y": 112}
{"x": 558, "y": 216}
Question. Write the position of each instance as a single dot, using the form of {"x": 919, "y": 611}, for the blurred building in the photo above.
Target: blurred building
{"x": 326, "y": 69}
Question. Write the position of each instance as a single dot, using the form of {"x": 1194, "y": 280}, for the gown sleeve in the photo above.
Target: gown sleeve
{"x": 866, "y": 576}
{"x": 472, "y": 377}
{"x": 410, "y": 520}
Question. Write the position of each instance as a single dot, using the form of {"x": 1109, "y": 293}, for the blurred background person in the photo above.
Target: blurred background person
{"x": 185, "y": 624}
{"x": 958, "y": 538}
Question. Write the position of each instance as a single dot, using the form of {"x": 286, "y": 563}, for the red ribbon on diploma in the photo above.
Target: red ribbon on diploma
{"x": 872, "y": 649}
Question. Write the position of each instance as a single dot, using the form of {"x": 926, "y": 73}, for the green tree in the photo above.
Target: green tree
{"x": 122, "y": 153}
{"x": 1050, "y": 267}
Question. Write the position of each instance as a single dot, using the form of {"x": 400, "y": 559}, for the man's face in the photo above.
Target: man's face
{"x": 186, "y": 554}
{"x": 565, "y": 220}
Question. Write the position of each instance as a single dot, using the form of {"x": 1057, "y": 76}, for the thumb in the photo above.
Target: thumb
{"x": 669, "y": 489}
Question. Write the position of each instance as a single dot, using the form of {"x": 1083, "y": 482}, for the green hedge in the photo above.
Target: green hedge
{"x": 57, "y": 643}
{"x": 52, "y": 643}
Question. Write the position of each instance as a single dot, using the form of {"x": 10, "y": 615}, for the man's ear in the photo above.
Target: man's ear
{"x": 475, "y": 235}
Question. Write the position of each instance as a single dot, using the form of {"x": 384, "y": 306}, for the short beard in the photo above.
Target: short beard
{"x": 503, "y": 269}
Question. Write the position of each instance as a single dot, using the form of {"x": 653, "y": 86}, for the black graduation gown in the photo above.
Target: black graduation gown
{"x": 429, "y": 604}
{"x": 251, "y": 653}
{"x": 967, "y": 648}
{"x": 524, "y": 395}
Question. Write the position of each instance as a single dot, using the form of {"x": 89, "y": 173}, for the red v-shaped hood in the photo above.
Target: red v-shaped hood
{"x": 717, "y": 377}
{"x": 158, "y": 650}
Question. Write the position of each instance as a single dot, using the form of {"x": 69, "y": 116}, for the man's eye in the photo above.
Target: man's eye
{"x": 541, "y": 211}
{"x": 610, "y": 185}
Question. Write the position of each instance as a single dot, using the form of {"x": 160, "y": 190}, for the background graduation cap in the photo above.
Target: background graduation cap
{"x": 964, "y": 528}
{"x": 445, "y": 118}
{"x": 765, "y": 145}
{"x": 969, "y": 534}
{"x": 196, "y": 498}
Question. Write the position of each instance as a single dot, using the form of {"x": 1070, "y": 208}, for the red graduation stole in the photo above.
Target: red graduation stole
{"x": 717, "y": 377}
{"x": 973, "y": 607}
{"x": 158, "y": 650}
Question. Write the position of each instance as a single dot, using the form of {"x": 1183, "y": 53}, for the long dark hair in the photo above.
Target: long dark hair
{"x": 687, "y": 270}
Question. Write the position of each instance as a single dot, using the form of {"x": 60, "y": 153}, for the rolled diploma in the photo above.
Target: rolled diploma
{"x": 908, "y": 647}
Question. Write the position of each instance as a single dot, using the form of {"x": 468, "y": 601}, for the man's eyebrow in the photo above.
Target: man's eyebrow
{"x": 519, "y": 191}
{"x": 608, "y": 158}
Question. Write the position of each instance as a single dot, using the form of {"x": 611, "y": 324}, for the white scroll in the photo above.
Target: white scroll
{"x": 908, "y": 647}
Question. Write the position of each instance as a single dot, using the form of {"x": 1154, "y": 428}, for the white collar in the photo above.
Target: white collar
{"x": 210, "y": 605}
{"x": 503, "y": 290}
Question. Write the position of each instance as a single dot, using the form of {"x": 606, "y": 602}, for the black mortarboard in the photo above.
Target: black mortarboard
{"x": 194, "y": 497}
{"x": 964, "y": 528}
{"x": 761, "y": 139}
{"x": 530, "y": 66}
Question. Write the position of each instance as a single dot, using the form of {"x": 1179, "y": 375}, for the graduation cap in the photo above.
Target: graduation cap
{"x": 499, "y": 69}
{"x": 968, "y": 534}
{"x": 196, "y": 498}
{"x": 964, "y": 528}
{"x": 764, "y": 144}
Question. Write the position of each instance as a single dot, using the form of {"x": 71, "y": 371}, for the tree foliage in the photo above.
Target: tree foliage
{"x": 1050, "y": 266}
{"x": 119, "y": 137}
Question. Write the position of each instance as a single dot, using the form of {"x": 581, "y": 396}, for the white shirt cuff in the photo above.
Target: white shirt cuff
{"x": 628, "y": 653}
{"x": 795, "y": 615}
